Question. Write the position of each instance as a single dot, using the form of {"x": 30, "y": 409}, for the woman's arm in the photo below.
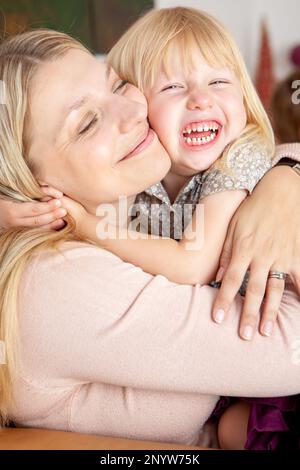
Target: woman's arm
{"x": 193, "y": 260}
{"x": 264, "y": 235}
{"x": 88, "y": 316}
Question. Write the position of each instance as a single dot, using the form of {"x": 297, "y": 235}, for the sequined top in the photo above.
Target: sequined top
{"x": 247, "y": 164}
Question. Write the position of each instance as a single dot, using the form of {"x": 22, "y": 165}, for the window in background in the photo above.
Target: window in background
{"x": 97, "y": 23}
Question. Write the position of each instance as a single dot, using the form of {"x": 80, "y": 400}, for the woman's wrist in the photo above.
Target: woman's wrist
{"x": 283, "y": 173}
{"x": 290, "y": 163}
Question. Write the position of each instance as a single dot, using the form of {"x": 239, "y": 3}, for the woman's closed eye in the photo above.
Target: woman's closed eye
{"x": 121, "y": 85}
{"x": 89, "y": 125}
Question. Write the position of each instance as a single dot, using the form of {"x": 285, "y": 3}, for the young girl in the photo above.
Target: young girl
{"x": 207, "y": 115}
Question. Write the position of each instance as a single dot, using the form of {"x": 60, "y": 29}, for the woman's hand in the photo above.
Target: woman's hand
{"x": 47, "y": 214}
{"x": 263, "y": 235}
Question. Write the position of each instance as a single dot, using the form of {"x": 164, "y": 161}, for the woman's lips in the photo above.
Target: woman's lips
{"x": 142, "y": 146}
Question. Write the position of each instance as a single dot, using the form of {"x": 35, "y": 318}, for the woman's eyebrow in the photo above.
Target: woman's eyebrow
{"x": 76, "y": 105}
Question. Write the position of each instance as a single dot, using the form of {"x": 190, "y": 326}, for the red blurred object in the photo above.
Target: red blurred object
{"x": 265, "y": 79}
{"x": 295, "y": 55}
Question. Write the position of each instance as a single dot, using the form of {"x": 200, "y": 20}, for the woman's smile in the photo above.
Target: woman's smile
{"x": 146, "y": 140}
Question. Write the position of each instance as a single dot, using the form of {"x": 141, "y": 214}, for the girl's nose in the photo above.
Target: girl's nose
{"x": 199, "y": 100}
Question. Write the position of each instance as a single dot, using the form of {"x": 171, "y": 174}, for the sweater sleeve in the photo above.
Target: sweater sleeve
{"x": 291, "y": 151}
{"x": 87, "y": 316}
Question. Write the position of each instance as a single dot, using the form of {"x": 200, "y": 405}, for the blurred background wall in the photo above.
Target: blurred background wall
{"x": 266, "y": 47}
{"x": 243, "y": 18}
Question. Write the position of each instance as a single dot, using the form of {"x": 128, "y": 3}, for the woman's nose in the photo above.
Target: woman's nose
{"x": 199, "y": 100}
{"x": 130, "y": 113}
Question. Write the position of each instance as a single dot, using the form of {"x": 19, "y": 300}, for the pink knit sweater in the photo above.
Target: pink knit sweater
{"x": 109, "y": 349}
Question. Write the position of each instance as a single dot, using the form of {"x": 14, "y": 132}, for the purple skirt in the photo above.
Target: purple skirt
{"x": 274, "y": 423}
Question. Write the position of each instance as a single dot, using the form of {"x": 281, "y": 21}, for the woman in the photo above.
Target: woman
{"x": 101, "y": 346}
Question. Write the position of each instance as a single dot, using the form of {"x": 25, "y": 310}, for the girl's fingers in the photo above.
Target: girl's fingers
{"x": 34, "y": 209}
{"x": 56, "y": 225}
{"x": 44, "y": 219}
{"x": 52, "y": 192}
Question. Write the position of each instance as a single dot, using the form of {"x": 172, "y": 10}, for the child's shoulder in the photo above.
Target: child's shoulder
{"x": 245, "y": 164}
{"x": 248, "y": 151}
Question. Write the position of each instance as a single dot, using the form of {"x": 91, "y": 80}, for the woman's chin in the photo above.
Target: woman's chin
{"x": 153, "y": 167}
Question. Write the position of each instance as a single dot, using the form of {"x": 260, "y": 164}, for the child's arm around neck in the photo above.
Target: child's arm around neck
{"x": 192, "y": 260}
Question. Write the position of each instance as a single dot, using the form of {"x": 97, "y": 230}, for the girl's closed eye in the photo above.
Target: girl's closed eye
{"x": 220, "y": 82}
{"x": 172, "y": 86}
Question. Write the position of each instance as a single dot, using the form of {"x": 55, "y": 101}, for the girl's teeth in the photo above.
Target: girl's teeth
{"x": 201, "y": 128}
{"x": 200, "y": 140}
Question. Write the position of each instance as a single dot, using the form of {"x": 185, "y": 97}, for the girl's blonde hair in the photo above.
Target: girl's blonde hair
{"x": 148, "y": 44}
{"x": 20, "y": 57}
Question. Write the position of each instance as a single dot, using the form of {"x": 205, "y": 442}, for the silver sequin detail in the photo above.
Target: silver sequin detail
{"x": 247, "y": 165}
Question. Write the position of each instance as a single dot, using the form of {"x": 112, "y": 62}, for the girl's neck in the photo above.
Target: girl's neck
{"x": 173, "y": 184}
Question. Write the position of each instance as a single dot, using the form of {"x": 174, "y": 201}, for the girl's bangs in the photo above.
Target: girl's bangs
{"x": 185, "y": 47}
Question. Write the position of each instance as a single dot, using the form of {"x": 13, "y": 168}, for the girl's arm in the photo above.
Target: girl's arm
{"x": 47, "y": 214}
{"x": 192, "y": 260}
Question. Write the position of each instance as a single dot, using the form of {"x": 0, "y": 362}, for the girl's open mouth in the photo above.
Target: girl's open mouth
{"x": 200, "y": 134}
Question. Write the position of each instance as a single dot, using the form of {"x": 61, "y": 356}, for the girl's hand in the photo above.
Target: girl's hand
{"x": 264, "y": 235}
{"x": 78, "y": 213}
{"x": 47, "y": 214}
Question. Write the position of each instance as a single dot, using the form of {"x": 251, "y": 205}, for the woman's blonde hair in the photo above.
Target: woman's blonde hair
{"x": 20, "y": 56}
{"x": 148, "y": 44}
